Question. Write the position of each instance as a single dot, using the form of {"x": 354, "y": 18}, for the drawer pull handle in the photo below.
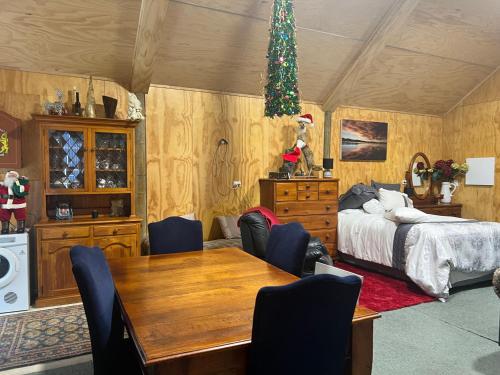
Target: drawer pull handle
{"x": 286, "y": 209}
{"x": 327, "y": 192}
{"x": 327, "y": 236}
{"x": 308, "y": 186}
{"x": 308, "y": 196}
{"x": 115, "y": 232}
{"x": 327, "y": 222}
{"x": 328, "y": 207}
{"x": 65, "y": 234}
{"x": 285, "y": 192}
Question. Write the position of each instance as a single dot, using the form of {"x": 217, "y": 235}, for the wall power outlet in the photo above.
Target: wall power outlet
{"x": 236, "y": 184}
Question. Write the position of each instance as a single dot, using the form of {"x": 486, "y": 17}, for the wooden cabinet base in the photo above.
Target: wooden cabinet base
{"x": 118, "y": 237}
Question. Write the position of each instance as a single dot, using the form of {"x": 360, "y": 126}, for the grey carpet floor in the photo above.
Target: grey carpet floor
{"x": 458, "y": 337}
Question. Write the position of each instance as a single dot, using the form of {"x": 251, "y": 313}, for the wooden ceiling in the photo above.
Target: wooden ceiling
{"x": 350, "y": 51}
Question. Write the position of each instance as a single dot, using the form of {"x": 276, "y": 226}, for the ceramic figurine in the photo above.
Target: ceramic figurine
{"x": 134, "y": 108}
{"x": 90, "y": 106}
{"x": 13, "y": 192}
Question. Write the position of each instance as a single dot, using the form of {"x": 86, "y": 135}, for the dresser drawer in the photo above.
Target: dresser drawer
{"x": 64, "y": 233}
{"x": 307, "y": 195}
{"x": 286, "y": 191}
{"x": 328, "y": 190}
{"x": 307, "y": 186}
{"x": 312, "y": 222}
{"x": 325, "y": 235}
{"x": 300, "y": 208}
{"x": 114, "y": 230}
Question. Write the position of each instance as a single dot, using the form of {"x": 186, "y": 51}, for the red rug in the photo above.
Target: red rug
{"x": 384, "y": 293}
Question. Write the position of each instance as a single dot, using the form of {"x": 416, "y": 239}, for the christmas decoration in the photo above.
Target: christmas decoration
{"x": 281, "y": 91}
{"x": 134, "y": 107}
{"x": 13, "y": 192}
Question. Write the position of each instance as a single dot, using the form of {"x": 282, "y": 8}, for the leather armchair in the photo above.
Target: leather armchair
{"x": 255, "y": 233}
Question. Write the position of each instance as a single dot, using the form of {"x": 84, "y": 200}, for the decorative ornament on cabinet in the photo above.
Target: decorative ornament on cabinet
{"x": 90, "y": 106}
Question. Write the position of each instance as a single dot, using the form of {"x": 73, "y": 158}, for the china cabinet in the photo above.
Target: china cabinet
{"x": 88, "y": 166}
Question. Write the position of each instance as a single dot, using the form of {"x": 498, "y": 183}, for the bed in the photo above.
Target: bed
{"x": 435, "y": 252}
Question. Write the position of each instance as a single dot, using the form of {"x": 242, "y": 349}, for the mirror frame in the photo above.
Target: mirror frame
{"x": 409, "y": 179}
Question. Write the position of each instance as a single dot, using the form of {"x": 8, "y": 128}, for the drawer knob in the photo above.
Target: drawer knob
{"x": 115, "y": 232}
{"x": 327, "y": 236}
{"x": 327, "y": 192}
{"x": 65, "y": 234}
{"x": 328, "y": 207}
{"x": 286, "y": 209}
{"x": 285, "y": 192}
{"x": 308, "y": 196}
{"x": 308, "y": 186}
{"x": 327, "y": 222}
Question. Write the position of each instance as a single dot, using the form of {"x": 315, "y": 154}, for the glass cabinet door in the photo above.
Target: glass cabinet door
{"x": 66, "y": 159}
{"x": 111, "y": 160}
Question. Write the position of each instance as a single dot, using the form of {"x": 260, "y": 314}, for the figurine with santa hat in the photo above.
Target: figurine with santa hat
{"x": 292, "y": 155}
{"x": 13, "y": 192}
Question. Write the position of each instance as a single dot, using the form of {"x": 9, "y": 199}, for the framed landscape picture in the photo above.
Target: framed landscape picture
{"x": 363, "y": 140}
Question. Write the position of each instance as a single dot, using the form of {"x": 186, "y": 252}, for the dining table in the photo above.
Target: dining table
{"x": 191, "y": 313}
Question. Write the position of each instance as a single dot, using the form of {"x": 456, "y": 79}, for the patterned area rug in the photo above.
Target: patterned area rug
{"x": 43, "y": 336}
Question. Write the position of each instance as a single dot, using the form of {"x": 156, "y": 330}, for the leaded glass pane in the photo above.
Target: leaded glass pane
{"x": 66, "y": 159}
{"x": 111, "y": 160}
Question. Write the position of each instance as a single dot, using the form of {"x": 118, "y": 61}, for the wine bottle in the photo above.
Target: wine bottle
{"x": 78, "y": 105}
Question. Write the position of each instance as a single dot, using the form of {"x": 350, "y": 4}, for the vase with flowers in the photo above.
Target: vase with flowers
{"x": 447, "y": 172}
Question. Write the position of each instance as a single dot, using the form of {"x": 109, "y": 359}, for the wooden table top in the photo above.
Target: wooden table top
{"x": 183, "y": 304}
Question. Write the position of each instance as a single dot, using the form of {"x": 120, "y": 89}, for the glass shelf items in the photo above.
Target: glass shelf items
{"x": 111, "y": 160}
{"x": 66, "y": 159}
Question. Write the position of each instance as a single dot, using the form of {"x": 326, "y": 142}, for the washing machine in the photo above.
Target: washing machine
{"x": 14, "y": 273}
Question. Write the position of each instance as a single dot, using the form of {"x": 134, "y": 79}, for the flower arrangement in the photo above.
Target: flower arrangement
{"x": 442, "y": 170}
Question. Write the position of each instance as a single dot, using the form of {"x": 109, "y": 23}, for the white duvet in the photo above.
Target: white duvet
{"x": 433, "y": 248}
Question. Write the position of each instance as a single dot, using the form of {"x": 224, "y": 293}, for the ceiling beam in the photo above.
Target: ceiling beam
{"x": 392, "y": 21}
{"x": 147, "y": 42}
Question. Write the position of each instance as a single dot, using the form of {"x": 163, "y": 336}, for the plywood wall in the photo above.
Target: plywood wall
{"x": 472, "y": 129}
{"x": 23, "y": 93}
{"x": 184, "y": 127}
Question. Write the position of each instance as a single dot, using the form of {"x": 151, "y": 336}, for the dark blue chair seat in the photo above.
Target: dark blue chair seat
{"x": 111, "y": 353}
{"x": 287, "y": 247}
{"x": 175, "y": 235}
{"x": 304, "y": 327}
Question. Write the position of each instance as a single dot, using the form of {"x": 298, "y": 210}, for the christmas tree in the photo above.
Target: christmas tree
{"x": 282, "y": 92}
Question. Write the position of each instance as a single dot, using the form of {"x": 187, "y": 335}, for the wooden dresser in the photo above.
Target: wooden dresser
{"x": 87, "y": 165}
{"x": 454, "y": 209}
{"x": 313, "y": 202}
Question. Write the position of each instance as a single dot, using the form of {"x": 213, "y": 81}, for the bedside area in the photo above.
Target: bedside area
{"x": 453, "y": 209}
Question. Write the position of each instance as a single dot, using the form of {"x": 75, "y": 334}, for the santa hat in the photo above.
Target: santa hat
{"x": 307, "y": 118}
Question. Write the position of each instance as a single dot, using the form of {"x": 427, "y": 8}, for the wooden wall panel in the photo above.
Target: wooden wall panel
{"x": 184, "y": 127}
{"x": 473, "y": 130}
{"x": 23, "y": 93}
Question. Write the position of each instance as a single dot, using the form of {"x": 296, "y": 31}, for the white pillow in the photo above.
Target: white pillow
{"x": 373, "y": 206}
{"x": 189, "y": 216}
{"x": 407, "y": 215}
{"x": 391, "y": 199}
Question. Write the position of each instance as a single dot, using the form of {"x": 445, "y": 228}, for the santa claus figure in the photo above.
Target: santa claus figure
{"x": 13, "y": 192}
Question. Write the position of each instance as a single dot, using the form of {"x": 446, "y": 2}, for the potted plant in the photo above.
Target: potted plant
{"x": 446, "y": 172}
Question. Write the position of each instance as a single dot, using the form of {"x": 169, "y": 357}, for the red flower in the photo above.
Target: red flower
{"x": 420, "y": 165}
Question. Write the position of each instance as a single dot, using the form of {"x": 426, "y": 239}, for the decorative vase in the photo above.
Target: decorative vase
{"x": 90, "y": 107}
{"x": 109, "y": 106}
{"x": 447, "y": 190}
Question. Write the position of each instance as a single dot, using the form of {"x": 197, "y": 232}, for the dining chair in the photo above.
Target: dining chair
{"x": 175, "y": 235}
{"x": 303, "y": 327}
{"x": 287, "y": 247}
{"x": 111, "y": 353}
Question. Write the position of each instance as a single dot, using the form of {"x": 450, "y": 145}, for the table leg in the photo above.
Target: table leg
{"x": 362, "y": 347}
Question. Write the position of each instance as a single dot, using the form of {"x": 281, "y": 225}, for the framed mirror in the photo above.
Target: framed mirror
{"x": 418, "y": 178}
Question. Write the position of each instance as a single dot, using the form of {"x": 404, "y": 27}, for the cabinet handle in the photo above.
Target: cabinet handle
{"x": 328, "y": 207}
{"x": 285, "y": 209}
{"x": 327, "y": 237}
{"x": 65, "y": 234}
{"x": 308, "y": 186}
{"x": 285, "y": 192}
{"x": 327, "y": 222}
{"x": 327, "y": 192}
{"x": 115, "y": 232}
{"x": 308, "y": 196}
{"x": 92, "y": 149}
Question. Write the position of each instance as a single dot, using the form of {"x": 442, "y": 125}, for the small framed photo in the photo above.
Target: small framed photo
{"x": 363, "y": 140}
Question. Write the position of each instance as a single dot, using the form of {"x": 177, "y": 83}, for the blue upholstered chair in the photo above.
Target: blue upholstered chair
{"x": 111, "y": 353}
{"x": 287, "y": 246}
{"x": 304, "y": 327}
{"x": 175, "y": 235}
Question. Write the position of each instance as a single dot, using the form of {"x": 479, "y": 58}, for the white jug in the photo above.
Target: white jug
{"x": 447, "y": 190}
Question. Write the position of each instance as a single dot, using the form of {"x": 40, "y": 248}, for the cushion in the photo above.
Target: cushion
{"x": 391, "y": 199}
{"x": 189, "y": 216}
{"x": 229, "y": 226}
{"x": 373, "y": 206}
{"x": 356, "y": 196}
{"x": 378, "y": 185}
{"x": 407, "y": 215}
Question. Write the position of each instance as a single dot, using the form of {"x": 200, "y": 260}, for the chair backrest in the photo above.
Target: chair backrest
{"x": 303, "y": 327}
{"x": 97, "y": 290}
{"x": 254, "y": 233}
{"x": 175, "y": 235}
{"x": 287, "y": 247}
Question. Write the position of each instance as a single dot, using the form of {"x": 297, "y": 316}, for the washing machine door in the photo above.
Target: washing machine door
{"x": 9, "y": 267}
